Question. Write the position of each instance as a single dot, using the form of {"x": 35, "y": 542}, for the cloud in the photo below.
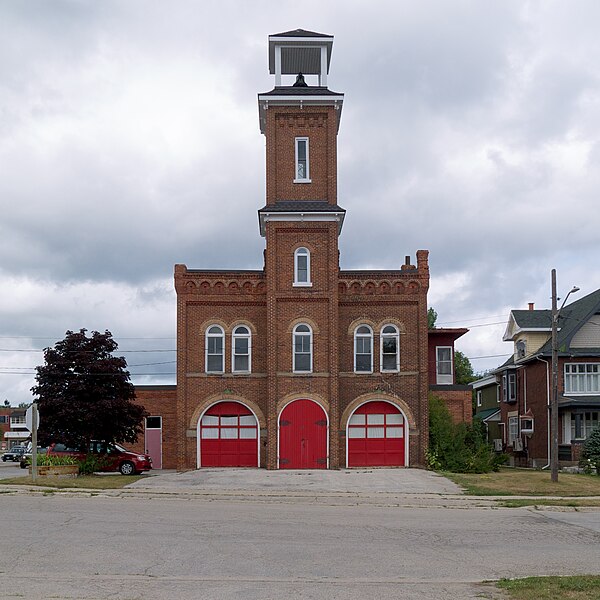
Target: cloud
{"x": 129, "y": 142}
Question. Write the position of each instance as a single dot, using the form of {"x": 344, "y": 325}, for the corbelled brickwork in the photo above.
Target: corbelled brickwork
{"x": 301, "y": 215}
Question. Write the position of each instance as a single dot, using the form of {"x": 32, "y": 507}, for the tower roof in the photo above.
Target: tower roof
{"x": 300, "y": 52}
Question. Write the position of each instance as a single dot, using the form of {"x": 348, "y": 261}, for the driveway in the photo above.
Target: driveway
{"x": 353, "y": 481}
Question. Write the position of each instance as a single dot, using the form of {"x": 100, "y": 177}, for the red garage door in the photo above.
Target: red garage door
{"x": 228, "y": 436}
{"x": 376, "y": 436}
{"x": 303, "y": 436}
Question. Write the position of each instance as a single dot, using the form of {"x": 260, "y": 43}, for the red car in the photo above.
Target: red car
{"x": 112, "y": 456}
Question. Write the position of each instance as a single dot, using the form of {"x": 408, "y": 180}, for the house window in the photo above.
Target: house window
{"x": 443, "y": 365}
{"x": 302, "y": 267}
{"x": 390, "y": 346}
{"x": 513, "y": 429}
{"x": 363, "y": 349}
{"x": 3, "y": 419}
{"x": 215, "y": 349}
{"x": 509, "y": 387}
{"x": 583, "y": 423}
{"x": 302, "y": 161}
{"x": 512, "y": 387}
{"x": 582, "y": 378}
{"x": 478, "y": 397}
{"x": 302, "y": 349}
{"x": 526, "y": 425}
{"x": 521, "y": 349}
{"x": 241, "y": 350}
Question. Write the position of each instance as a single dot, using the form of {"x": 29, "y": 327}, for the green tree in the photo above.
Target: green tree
{"x": 463, "y": 369}
{"x": 590, "y": 454}
{"x": 458, "y": 447}
{"x": 431, "y": 318}
{"x": 84, "y": 393}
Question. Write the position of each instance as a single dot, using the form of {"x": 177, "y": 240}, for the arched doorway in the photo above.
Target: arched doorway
{"x": 228, "y": 436}
{"x": 303, "y": 436}
{"x": 376, "y": 436}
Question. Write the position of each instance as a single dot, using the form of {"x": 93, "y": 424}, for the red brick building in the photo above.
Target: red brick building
{"x": 442, "y": 373}
{"x": 525, "y": 382}
{"x": 299, "y": 364}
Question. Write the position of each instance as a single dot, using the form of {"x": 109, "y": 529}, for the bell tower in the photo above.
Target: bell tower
{"x": 301, "y": 222}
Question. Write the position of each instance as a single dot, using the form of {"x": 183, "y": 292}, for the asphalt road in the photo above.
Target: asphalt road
{"x": 129, "y": 548}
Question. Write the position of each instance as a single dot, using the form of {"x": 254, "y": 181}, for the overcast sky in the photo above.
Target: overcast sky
{"x": 129, "y": 141}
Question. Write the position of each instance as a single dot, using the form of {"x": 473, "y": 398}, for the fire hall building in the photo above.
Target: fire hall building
{"x": 299, "y": 365}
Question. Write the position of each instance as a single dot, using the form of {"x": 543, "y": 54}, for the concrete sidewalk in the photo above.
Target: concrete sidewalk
{"x": 368, "y": 481}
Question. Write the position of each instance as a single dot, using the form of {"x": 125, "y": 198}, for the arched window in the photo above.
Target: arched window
{"x": 390, "y": 349}
{"x": 215, "y": 349}
{"x": 302, "y": 349}
{"x": 363, "y": 349}
{"x": 302, "y": 267}
{"x": 241, "y": 350}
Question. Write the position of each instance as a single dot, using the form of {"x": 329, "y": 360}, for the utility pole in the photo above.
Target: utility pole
{"x": 554, "y": 397}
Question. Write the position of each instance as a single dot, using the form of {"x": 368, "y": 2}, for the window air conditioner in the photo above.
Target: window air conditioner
{"x": 498, "y": 445}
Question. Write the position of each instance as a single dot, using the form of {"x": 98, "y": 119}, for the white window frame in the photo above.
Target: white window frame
{"x": 444, "y": 378}
{"x": 235, "y": 336}
{"x": 478, "y": 395}
{"x": 208, "y": 336}
{"x": 358, "y": 335}
{"x": 306, "y": 178}
{"x": 585, "y": 376}
{"x": 513, "y": 429}
{"x": 512, "y": 387}
{"x": 396, "y": 336}
{"x": 302, "y": 333}
{"x": 586, "y": 423}
{"x": 302, "y": 251}
{"x": 526, "y": 425}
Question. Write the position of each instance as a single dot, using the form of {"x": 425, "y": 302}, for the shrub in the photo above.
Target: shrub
{"x": 590, "y": 454}
{"x": 45, "y": 460}
{"x": 458, "y": 447}
{"x": 90, "y": 464}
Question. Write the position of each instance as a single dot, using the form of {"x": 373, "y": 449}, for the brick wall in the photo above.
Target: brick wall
{"x": 160, "y": 400}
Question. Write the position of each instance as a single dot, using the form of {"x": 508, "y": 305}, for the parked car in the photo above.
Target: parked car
{"x": 14, "y": 454}
{"x": 26, "y": 457}
{"x": 111, "y": 457}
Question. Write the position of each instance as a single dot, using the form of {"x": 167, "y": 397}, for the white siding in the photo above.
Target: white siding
{"x": 589, "y": 335}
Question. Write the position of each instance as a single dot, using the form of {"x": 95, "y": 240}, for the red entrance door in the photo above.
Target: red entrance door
{"x": 228, "y": 436}
{"x": 376, "y": 436}
{"x": 303, "y": 436}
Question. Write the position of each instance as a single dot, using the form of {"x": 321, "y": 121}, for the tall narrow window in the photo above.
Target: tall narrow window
{"x": 215, "y": 350}
{"x": 390, "y": 346}
{"x": 302, "y": 267}
{"x": 241, "y": 350}
{"x": 302, "y": 161}
{"x": 512, "y": 387}
{"x": 302, "y": 349}
{"x": 444, "y": 365}
{"x": 363, "y": 349}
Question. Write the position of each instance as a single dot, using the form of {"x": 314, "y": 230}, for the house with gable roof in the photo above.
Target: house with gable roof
{"x": 525, "y": 381}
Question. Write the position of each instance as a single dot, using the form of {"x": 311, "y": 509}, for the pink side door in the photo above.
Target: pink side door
{"x": 153, "y": 440}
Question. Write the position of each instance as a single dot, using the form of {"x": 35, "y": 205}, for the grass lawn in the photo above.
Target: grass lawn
{"x": 526, "y": 482}
{"x": 90, "y": 482}
{"x": 577, "y": 587}
{"x": 571, "y": 502}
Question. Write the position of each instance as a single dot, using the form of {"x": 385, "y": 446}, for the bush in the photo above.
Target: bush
{"x": 90, "y": 464}
{"x": 458, "y": 447}
{"x": 45, "y": 460}
{"x": 590, "y": 454}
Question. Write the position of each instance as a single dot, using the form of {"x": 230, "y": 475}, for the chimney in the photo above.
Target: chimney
{"x": 531, "y": 305}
